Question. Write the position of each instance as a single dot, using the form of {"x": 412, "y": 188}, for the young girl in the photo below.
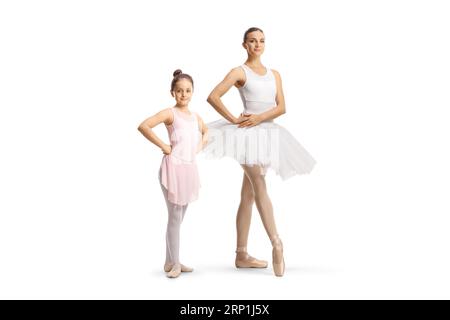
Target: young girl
{"x": 257, "y": 143}
{"x": 178, "y": 173}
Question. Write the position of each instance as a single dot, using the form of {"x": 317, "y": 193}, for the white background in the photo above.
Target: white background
{"x": 82, "y": 215}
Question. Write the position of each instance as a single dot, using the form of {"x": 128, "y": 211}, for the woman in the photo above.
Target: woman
{"x": 257, "y": 143}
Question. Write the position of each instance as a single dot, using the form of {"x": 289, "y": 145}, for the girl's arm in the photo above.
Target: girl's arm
{"x": 204, "y": 131}
{"x": 235, "y": 76}
{"x": 280, "y": 108}
{"x": 146, "y": 126}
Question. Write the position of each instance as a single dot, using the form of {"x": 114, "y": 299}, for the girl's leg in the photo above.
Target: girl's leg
{"x": 175, "y": 217}
{"x": 243, "y": 219}
{"x": 264, "y": 206}
{"x": 168, "y": 265}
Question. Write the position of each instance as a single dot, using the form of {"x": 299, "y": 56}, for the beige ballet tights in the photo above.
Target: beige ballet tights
{"x": 254, "y": 191}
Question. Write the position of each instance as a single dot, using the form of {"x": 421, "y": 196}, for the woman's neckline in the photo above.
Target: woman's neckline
{"x": 261, "y": 75}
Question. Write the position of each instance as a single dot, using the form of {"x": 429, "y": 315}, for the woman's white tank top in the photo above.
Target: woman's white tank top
{"x": 259, "y": 91}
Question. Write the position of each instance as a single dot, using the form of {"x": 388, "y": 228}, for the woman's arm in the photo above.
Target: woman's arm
{"x": 146, "y": 126}
{"x": 233, "y": 77}
{"x": 280, "y": 108}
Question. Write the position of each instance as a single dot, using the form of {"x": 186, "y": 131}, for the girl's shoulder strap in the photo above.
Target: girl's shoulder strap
{"x": 173, "y": 115}
{"x": 174, "y": 112}
{"x": 199, "y": 121}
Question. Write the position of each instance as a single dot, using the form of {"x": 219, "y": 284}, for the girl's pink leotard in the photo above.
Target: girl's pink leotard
{"x": 178, "y": 172}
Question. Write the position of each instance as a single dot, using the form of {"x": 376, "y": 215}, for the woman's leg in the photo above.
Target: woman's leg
{"x": 265, "y": 209}
{"x": 244, "y": 213}
{"x": 263, "y": 203}
{"x": 243, "y": 219}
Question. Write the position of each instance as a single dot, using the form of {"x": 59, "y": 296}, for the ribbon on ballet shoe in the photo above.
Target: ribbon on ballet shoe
{"x": 278, "y": 267}
{"x": 248, "y": 261}
{"x": 168, "y": 267}
{"x": 175, "y": 271}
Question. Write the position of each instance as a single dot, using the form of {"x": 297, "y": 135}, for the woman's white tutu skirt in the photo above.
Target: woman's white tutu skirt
{"x": 267, "y": 145}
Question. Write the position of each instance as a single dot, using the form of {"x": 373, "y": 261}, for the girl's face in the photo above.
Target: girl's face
{"x": 255, "y": 43}
{"x": 182, "y": 92}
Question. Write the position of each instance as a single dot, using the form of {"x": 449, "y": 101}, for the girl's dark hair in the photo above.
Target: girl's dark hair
{"x": 251, "y": 30}
{"x": 178, "y": 75}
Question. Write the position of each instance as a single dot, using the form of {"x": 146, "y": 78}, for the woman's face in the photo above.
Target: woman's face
{"x": 182, "y": 92}
{"x": 255, "y": 43}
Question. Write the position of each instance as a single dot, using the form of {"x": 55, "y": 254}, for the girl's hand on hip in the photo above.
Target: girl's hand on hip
{"x": 250, "y": 120}
{"x": 166, "y": 149}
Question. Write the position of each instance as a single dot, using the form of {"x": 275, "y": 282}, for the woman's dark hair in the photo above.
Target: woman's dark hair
{"x": 178, "y": 75}
{"x": 251, "y": 30}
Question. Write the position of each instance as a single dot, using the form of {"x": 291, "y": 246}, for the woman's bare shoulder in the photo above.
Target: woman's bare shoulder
{"x": 237, "y": 72}
{"x": 238, "y": 75}
{"x": 276, "y": 73}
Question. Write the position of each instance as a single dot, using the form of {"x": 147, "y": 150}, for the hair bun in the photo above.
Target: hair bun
{"x": 177, "y": 72}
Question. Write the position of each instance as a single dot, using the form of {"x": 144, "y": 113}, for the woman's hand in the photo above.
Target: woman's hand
{"x": 166, "y": 149}
{"x": 250, "y": 120}
{"x": 240, "y": 119}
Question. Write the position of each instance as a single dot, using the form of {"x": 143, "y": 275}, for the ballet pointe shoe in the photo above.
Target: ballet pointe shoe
{"x": 247, "y": 261}
{"x": 168, "y": 267}
{"x": 277, "y": 256}
{"x": 175, "y": 271}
